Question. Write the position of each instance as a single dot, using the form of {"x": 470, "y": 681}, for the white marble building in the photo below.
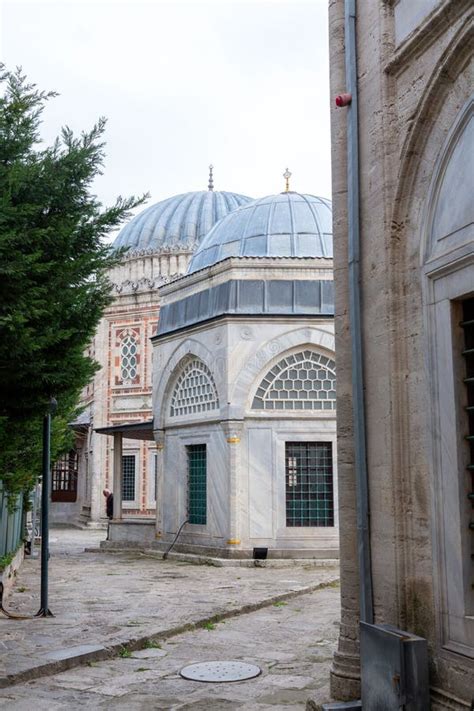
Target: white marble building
{"x": 244, "y": 389}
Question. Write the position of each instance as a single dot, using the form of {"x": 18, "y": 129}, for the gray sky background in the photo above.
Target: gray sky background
{"x": 243, "y": 85}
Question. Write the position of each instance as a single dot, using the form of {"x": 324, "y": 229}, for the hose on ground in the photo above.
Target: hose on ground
{"x": 165, "y": 554}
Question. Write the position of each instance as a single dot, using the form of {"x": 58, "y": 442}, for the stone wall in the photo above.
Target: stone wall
{"x": 411, "y": 91}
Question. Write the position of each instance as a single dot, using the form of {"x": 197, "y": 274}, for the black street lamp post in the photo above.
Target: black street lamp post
{"x": 44, "y": 610}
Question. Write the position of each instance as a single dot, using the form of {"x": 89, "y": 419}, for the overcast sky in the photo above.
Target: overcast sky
{"x": 243, "y": 85}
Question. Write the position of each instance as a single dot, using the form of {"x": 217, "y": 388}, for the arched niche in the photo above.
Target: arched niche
{"x": 194, "y": 391}
{"x": 447, "y": 261}
{"x": 419, "y": 255}
{"x": 300, "y": 381}
{"x": 168, "y": 373}
{"x": 267, "y": 354}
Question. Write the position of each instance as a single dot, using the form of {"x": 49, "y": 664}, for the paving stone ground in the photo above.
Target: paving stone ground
{"x": 104, "y": 598}
{"x": 292, "y": 643}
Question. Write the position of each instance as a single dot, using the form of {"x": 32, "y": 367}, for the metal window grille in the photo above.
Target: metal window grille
{"x": 468, "y": 352}
{"x": 128, "y": 477}
{"x": 64, "y": 478}
{"x": 302, "y": 381}
{"x": 195, "y": 390}
{"x": 197, "y": 483}
{"x": 309, "y": 484}
{"x": 128, "y": 358}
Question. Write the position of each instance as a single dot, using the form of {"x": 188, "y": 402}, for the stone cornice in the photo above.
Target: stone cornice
{"x": 246, "y": 266}
{"x": 169, "y": 252}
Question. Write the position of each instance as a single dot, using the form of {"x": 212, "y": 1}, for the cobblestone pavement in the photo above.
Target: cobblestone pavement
{"x": 292, "y": 643}
{"x": 120, "y": 598}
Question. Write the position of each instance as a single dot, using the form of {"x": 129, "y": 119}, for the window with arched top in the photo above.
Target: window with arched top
{"x": 128, "y": 358}
{"x": 194, "y": 391}
{"x": 448, "y": 267}
{"x": 300, "y": 381}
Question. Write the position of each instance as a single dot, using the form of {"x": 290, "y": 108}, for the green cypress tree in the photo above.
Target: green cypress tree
{"x": 53, "y": 273}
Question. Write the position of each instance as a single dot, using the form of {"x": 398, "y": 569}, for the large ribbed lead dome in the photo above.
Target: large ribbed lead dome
{"x": 178, "y": 223}
{"x": 286, "y": 225}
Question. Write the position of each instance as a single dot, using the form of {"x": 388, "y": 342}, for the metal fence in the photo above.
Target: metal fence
{"x": 11, "y": 524}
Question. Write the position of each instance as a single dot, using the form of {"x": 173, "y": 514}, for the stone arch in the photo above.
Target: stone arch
{"x": 444, "y": 229}
{"x": 187, "y": 351}
{"x": 433, "y": 123}
{"x": 303, "y": 380}
{"x": 447, "y": 263}
{"x": 194, "y": 390}
{"x": 450, "y": 66}
{"x": 268, "y": 353}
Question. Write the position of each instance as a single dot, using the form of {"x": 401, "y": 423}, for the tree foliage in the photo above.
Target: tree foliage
{"x": 53, "y": 272}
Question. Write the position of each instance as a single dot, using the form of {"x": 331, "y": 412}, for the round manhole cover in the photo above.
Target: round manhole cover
{"x": 220, "y": 671}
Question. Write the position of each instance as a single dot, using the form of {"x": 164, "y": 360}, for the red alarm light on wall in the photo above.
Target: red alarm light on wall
{"x": 343, "y": 99}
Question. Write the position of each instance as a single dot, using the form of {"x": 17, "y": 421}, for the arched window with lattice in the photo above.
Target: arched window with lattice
{"x": 194, "y": 391}
{"x": 300, "y": 381}
{"x": 128, "y": 358}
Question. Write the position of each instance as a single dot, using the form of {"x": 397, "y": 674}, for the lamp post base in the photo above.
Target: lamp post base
{"x": 42, "y": 612}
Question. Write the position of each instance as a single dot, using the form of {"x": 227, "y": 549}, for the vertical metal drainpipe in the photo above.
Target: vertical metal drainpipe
{"x": 362, "y": 485}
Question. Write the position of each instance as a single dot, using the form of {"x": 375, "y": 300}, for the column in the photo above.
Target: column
{"x": 160, "y": 445}
{"x": 233, "y": 431}
{"x": 97, "y": 480}
{"x": 117, "y": 485}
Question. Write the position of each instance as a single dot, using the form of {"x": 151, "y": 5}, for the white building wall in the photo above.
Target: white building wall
{"x": 239, "y": 352}
{"x": 263, "y": 494}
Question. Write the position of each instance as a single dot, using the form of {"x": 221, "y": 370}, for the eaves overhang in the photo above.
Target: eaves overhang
{"x": 130, "y": 430}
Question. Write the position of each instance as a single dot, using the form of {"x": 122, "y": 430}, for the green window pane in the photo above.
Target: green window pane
{"x": 197, "y": 484}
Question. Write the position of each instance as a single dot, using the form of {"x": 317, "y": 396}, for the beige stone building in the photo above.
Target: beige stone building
{"x": 416, "y": 172}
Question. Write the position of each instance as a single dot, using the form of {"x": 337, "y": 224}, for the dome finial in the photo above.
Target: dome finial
{"x": 287, "y": 176}
{"x": 210, "y": 185}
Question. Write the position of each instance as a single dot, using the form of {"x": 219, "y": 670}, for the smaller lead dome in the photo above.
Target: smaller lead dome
{"x": 286, "y": 225}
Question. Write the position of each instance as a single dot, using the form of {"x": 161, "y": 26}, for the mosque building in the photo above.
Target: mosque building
{"x": 229, "y": 303}
{"x": 159, "y": 243}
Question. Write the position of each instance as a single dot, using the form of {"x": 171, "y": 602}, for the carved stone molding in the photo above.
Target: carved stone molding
{"x": 144, "y": 284}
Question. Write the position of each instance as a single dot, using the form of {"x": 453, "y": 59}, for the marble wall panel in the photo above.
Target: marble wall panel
{"x": 260, "y": 478}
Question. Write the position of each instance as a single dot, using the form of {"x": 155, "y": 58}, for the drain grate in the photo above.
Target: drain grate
{"x": 216, "y": 672}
